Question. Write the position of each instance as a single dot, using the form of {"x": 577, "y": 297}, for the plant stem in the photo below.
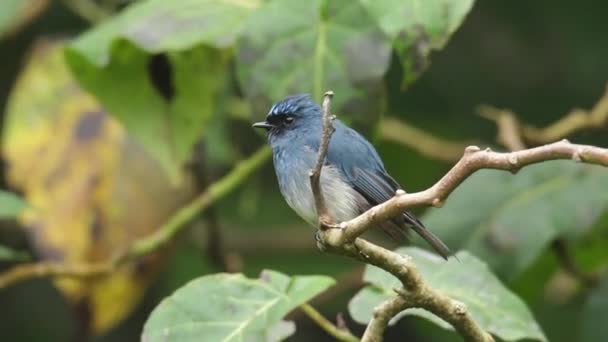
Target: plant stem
{"x": 327, "y": 325}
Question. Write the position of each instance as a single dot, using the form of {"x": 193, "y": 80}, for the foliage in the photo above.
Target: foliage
{"x": 235, "y": 307}
{"x": 108, "y": 135}
{"x": 519, "y": 216}
{"x": 594, "y": 314}
{"x": 82, "y": 175}
{"x": 10, "y": 205}
{"x": 464, "y": 278}
{"x": 334, "y": 44}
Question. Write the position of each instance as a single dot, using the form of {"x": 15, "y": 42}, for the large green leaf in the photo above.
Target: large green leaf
{"x": 295, "y": 46}
{"x": 417, "y": 27}
{"x": 595, "y": 311}
{"x": 466, "y": 279}
{"x": 10, "y": 205}
{"x": 507, "y": 220}
{"x": 158, "y": 26}
{"x": 114, "y": 61}
{"x": 231, "y": 307}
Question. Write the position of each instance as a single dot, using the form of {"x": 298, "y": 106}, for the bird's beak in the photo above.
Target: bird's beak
{"x": 262, "y": 124}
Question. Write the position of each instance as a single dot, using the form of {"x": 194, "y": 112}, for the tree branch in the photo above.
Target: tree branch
{"x": 315, "y": 174}
{"x": 575, "y": 121}
{"x": 509, "y": 129}
{"x": 423, "y": 142}
{"x": 415, "y": 292}
{"x": 473, "y": 160}
{"x": 27, "y": 271}
{"x": 149, "y": 243}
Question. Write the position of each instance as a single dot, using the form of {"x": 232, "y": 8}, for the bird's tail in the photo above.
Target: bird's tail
{"x": 429, "y": 237}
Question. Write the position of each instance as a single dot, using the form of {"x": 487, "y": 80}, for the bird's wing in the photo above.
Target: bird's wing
{"x": 363, "y": 169}
{"x": 360, "y": 164}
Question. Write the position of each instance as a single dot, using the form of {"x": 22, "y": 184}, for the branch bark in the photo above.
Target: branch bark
{"x": 512, "y": 134}
{"x": 474, "y": 159}
{"x": 325, "y": 219}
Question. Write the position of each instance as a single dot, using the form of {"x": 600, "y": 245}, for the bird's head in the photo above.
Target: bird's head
{"x": 292, "y": 112}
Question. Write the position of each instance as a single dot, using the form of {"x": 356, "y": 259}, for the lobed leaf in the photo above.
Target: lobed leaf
{"x": 297, "y": 46}
{"x": 464, "y": 278}
{"x": 231, "y": 307}
{"x": 157, "y": 68}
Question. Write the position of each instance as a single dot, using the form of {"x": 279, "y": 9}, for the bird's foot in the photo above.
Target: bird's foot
{"x": 321, "y": 245}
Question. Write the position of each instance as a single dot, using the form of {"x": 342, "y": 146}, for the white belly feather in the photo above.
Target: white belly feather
{"x": 340, "y": 198}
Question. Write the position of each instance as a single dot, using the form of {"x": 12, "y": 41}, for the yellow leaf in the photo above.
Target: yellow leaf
{"x": 92, "y": 190}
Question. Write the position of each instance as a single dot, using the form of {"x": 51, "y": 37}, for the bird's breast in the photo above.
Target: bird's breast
{"x": 293, "y": 167}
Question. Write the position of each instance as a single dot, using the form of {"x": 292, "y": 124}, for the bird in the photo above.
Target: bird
{"x": 353, "y": 178}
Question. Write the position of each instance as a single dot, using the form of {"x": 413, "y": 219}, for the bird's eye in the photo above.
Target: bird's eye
{"x": 288, "y": 119}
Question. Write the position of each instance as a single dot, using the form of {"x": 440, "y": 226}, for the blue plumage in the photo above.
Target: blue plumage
{"x": 353, "y": 177}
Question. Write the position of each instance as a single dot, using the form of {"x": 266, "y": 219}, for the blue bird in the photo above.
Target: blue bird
{"x": 353, "y": 178}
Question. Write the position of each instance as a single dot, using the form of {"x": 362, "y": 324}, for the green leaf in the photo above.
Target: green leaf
{"x": 157, "y": 26}
{"x": 231, "y": 307}
{"x": 515, "y": 217}
{"x": 594, "y": 314}
{"x": 466, "y": 279}
{"x": 118, "y": 59}
{"x": 295, "y": 46}
{"x": 417, "y": 27}
{"x": 15, "y": 14}
{"x": 10, "y": 205}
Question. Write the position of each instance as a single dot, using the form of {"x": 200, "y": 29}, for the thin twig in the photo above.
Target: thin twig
{"x": 315, "y": 174}
{"x": 27, "y": 271}
{"x": 425, "y": 143}
{"x": 149, "y": 243}
{"x": 330, "y": 328}
{"x": 509, "y": 128}
{"x": 215, "y": 248}
{"x": 216, "y": 190}
{"x": 575, "y": 121}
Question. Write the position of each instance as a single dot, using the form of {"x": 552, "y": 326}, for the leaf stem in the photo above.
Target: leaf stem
{"x": 327, "y": 325}
{"x": 186, "y": 213}
{"x": 149, "y": 243}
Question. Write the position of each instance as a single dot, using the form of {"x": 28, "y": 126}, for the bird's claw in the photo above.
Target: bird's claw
{"x": 320, "y": 243}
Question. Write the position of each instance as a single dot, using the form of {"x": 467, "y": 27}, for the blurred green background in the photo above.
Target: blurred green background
{"x": 538, "y": 58}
